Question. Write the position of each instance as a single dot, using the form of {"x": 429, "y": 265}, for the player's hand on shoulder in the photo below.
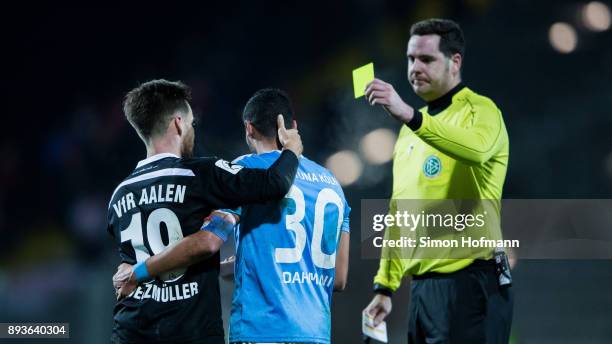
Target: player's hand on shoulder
{"x": 382, "y": 93}
{"x": 289, "y": 138}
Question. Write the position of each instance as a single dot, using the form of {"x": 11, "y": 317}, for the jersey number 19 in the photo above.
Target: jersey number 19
{"x": 134, "y": 234}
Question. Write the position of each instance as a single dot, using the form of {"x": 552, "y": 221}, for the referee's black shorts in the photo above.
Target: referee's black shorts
{"x": 466, "y": 306}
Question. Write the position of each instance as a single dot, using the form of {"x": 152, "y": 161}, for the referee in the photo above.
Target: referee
{"x": 454, "y": 148}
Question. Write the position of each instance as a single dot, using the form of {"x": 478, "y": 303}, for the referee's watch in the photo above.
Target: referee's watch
{"x": 381, "y": 289}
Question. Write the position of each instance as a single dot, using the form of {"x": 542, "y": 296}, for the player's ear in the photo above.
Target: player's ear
{"x": 294, "y": 124}
{"x": 456, "y": 60}
{"x": 177, "y": 121}
{"x": 249, "y": 128}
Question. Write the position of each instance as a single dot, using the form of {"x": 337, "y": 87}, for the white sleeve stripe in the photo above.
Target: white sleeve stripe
{"x": 160, "y": 173}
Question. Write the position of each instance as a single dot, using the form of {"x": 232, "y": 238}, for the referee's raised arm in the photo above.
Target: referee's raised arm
{"x": 476, "y": 143}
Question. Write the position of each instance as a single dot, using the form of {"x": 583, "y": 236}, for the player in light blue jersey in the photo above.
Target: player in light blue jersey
{"x": 290, "y": 255}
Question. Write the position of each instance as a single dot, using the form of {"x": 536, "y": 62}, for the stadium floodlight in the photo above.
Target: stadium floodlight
{"x": 346, "y": 166}
{"x": 377, "y": 146}
{"x": 596, "y": 16}
{"x": 563, "y": 37}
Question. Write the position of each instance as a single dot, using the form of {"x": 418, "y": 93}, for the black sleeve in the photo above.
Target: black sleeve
{"x": 416, "y": 121}
{"x": 381, "y": 289}
{"x": 234, "y": 185}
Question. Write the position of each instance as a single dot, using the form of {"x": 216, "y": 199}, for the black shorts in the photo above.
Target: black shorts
{"x": 467, "y": 306}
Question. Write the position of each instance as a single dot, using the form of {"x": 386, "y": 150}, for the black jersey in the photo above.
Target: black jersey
{"x": 163, "y": 200}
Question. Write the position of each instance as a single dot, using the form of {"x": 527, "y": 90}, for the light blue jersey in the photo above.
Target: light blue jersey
{"x": 285, "y": 258}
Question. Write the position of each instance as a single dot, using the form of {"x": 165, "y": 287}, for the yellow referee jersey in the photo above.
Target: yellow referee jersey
{"x": 454, "y": 148}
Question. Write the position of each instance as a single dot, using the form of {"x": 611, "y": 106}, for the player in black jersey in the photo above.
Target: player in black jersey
{"x": 165, "y": 199}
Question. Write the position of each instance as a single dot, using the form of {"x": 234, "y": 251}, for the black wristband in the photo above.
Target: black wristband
{"x": 416, "y": 121}
{"x": 381, "y": 289}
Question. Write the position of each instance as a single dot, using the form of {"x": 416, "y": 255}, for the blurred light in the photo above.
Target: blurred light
{"x": 563, "y": 37}
{"x": 596, "y": 16}
{"x": 377, "y": 146}
{"x": 346, "y": 166}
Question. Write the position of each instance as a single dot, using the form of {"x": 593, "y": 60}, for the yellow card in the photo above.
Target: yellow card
{"x": 367, "y": 328}
{"x": 361, "y": 77}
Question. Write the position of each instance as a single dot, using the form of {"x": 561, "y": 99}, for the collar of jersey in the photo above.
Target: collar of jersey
{"x": 277, "y": 151}
{"x": 438, "y": 105}
{"x": 155, "y": 158}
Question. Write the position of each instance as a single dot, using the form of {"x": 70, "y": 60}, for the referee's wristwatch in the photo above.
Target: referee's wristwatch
{"x": 381, "y": 289}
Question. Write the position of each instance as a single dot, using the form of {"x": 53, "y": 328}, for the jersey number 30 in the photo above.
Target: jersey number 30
{"x": 293, "y": 222}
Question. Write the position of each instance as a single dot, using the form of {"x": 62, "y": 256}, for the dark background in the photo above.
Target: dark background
{"x": 65, "y": 143}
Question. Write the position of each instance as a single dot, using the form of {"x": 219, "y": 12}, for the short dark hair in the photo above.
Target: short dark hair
{"x": 451, "y": 36}
{"x": 263, "y": 108}
{"x": 149, "y": 106}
